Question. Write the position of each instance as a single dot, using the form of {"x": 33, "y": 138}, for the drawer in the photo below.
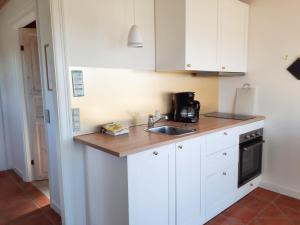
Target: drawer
{"x": 220, "y": 186}
{"x": 221, "y": 160}
{"x": 221, "y": 140}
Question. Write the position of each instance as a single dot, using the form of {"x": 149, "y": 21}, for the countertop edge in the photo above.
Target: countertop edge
{"x": 79, "y": 139}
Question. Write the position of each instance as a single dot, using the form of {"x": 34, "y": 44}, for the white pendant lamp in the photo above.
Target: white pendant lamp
{"x": 135, "y": 39}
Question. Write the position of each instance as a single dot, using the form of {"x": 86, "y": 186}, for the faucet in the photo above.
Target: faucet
{"x": 152, "y": 120}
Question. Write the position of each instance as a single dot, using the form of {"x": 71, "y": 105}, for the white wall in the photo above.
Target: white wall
{"x": 11, "y": 80}
{"x": 96, "y": 33}
{"x": 274, "y": 34}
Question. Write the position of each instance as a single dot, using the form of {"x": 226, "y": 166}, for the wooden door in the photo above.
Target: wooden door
{"x": 149, "y": 186}
{"x": 233, "y": 35}
{"x": 189, "y": 188}
{"x": 34, "y": 102}
{"x": 202, "y": 35}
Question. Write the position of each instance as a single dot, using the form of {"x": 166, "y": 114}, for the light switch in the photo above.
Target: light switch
{"x": 76, "y": 119}
{"x": 77, "y": 80}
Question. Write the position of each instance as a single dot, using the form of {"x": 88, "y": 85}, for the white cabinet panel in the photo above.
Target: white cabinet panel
{"x": 221, "y": 140}
{"x": 150, "y": 201}
{"x": 220, "y": 191}
{"x": 233, "y": 35}
{"x": 202, "y": 35}
{"x": 222, "y": 159}
{"x": 189, "y": 209}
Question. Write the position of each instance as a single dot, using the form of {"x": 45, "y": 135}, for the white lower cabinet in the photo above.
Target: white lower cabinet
{"x": 149, "y": 187}
{"x": 189, "y": 186}
{"x": 187, "y": 183}
{"x": 165, "y": 185}
{"x": 220, "y": 191}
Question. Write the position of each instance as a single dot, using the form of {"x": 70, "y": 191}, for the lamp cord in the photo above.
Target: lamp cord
{"x": 133, "y": 1}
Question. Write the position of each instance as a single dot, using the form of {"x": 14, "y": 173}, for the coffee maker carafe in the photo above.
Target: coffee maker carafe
{"x": 185, "y": 108}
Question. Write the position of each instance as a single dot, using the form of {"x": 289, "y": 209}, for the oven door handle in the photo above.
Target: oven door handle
{"x": 254, "y": 145}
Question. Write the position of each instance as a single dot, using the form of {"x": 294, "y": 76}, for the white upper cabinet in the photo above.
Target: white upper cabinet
{"x": 233, "y": 35}
{"x": 201, "y": 35}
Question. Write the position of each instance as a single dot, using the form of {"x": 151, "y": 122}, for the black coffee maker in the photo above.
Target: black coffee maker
{"x": 185, "y": 108}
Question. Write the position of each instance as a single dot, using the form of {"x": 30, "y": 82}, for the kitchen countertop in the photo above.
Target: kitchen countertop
{"x": 139, "y": 140}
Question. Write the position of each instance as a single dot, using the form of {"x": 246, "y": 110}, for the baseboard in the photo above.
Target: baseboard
{"x": 55, "y": 206}
{"x": 281, "y": 190}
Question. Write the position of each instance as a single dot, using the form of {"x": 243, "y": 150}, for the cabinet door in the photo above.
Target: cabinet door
{"x": 149, "y": 187}
{"x": 233, "y": 35}
{"x": 220, "y": 191}
{"x": 189, "y": 187}
{"x": 201, "y": 35}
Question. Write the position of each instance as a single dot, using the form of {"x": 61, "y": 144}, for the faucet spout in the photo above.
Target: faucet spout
{"x": 152, "y": 120}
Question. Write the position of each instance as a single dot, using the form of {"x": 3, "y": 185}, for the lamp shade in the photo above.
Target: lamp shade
{"x": 135, "y": 39}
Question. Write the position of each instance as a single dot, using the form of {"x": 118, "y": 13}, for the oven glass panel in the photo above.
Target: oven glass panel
{"x": 250, "y": 162}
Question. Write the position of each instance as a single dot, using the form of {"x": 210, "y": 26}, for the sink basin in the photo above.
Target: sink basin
{"x": 168, "y": 130}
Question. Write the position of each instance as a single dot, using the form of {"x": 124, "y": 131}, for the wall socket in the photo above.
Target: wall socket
{"x": 76, "y": 119}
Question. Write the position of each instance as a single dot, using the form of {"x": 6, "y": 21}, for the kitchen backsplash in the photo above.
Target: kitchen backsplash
{"x": 128, "y": 95}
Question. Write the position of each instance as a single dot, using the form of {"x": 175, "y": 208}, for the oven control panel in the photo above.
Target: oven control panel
{"x": 251, "y": 135}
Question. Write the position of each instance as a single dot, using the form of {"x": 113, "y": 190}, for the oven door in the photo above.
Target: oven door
{"x": 250, "y": 162}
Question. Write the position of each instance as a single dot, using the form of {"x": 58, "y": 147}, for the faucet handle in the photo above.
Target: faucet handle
{"x": 157, "y": 114}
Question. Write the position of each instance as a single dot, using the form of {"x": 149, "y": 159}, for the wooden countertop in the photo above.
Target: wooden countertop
{"x": 139, "y": 140}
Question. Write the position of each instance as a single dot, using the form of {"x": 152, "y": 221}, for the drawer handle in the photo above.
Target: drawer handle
{"x": 155, "y": 153}
{"x": 180, "y": 147}
{"x": 225, "y": 133}
{"x": 224, "y": 173}
{"x": 251, "y": 185}
{"x": 225, "y": 153}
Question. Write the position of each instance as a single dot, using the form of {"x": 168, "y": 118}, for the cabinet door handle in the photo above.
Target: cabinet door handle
{"x": 251, "y": 184}
{"x": 223, "y": 68}
{"x": 180, "y": 147}
{"x": 225, "y": 153}
{"x": 225, "y": 133}
{"x": 224, "y": 173}
{"x": 155, "y": 153}
{"x": 189, "y": 65}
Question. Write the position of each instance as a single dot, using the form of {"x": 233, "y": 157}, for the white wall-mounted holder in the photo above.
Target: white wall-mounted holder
{"x": 135, "y": 39}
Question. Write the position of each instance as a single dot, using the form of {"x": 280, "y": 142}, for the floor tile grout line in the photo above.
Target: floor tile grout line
{"x": 290, "y": 220}
{"x": 264, "y": 208}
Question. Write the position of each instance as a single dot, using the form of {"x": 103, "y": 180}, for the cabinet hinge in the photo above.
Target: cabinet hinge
{"x": 32, "y": 162}
{"x": 22, "y": 48}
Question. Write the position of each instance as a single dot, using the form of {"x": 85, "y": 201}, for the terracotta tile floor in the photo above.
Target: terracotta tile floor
{"x": 261, "y": 207}
{"x": 23, "y": 204}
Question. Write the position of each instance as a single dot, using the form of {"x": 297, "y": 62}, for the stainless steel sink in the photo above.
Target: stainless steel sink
{"x": 168, "y": 130}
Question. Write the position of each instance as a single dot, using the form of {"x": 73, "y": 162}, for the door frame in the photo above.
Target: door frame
{"x": 24, "y": 17}
{"x": 72, "y": 211}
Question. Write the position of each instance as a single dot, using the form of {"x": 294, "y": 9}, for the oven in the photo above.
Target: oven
{"x": 250, "y": 156}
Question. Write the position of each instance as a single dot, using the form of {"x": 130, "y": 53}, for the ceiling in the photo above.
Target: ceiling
{"x": 2, "y": 2}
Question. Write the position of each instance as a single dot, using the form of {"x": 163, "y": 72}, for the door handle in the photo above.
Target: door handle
{"x": 254, "y": 145}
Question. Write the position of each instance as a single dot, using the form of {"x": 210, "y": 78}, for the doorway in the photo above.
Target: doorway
{"x": 33, "y": 92}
